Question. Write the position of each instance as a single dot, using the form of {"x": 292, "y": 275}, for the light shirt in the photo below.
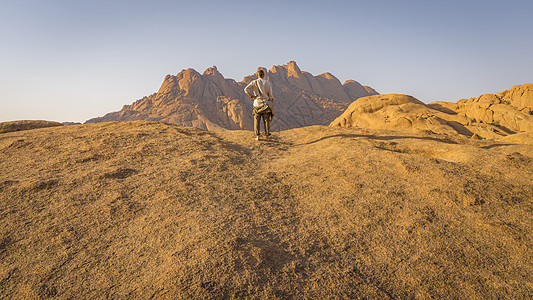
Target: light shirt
{"x": 263, "y": 89}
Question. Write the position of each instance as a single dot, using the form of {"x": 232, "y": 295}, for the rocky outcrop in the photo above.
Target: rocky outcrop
{"x": 506, "y": 114}
{"x": 210, "y": 101}
{"x": 21, "y": 125}
{"x": 519, "y": 96}
{"x": 510, "y": 110}
{"x": 393, "y": 111}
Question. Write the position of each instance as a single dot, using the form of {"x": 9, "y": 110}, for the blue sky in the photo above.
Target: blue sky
{"x": 74, "y": 60}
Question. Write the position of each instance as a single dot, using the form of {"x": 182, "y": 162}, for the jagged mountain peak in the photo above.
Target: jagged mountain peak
{"x": 293, "y": 68}
{"x": 210, "y": 101}
{"x": 188, "y": 73}
{"x": 328, "y": 75}
{"x": 212, "y": 71}
{"x": 290, "y": 69}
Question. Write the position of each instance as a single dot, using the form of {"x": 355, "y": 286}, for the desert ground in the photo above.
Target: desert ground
{"x": 139, "y": 210}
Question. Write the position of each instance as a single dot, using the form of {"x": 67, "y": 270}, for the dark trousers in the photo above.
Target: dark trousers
{"x": 267, "y": 118}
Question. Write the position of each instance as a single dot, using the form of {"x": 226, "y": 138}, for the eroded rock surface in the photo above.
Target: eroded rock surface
{"x": 140, "y": 210}
{"x": 494, "y": 116}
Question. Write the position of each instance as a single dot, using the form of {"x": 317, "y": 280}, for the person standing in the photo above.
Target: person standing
{"x": 261, "y": 91}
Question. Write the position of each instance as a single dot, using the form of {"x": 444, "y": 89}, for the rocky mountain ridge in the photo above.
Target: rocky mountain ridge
{"x": 210, "y": 101}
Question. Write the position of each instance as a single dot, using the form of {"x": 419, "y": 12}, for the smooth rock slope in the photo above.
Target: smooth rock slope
{"x": 151, "y": 210}
{"x": 504, "y": 116}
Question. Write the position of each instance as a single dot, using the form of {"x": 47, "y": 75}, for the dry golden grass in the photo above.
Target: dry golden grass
{"x": 143, "y": 209}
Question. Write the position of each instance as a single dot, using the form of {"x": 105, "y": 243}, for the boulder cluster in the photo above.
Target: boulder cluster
{"x": 507, "y": 115}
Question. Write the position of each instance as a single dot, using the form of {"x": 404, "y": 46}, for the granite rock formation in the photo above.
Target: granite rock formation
{"x": 496, "y": 116}
{"x": 210, "y": 101}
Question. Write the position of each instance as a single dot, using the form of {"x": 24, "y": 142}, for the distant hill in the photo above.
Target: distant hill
{"x": 147, "y": 210}
{"x": 210, "y": 101}
{"x": 504, "y": 116}
{"x": 26, "y": 125}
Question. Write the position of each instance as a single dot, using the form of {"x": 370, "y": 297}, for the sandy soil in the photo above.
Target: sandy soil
{"x": 151, "y": 210}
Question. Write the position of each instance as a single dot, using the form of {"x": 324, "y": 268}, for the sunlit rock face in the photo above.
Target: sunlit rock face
{"x": 506, "y": 115}
{"x": 210, "y": 101}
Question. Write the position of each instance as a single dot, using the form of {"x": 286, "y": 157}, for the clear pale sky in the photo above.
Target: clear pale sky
{"x": 75, "y": 60}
